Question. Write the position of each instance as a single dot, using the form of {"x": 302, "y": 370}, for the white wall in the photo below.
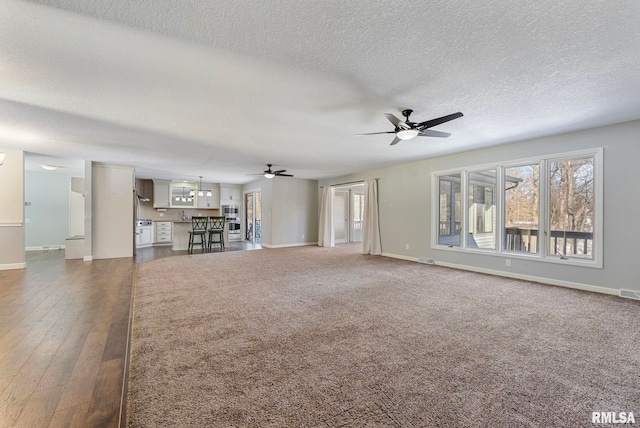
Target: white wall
{"x": 289, "y": 211}
{"x": 76, "y": 207}
{"x": 12, "y": 210}
{"x": 295, "y": 211}
{"x": 47, "y": 218}
{"x": 112, "y": 199}
{"x": 88, "y": 210}
{"x": 405, "y": 207}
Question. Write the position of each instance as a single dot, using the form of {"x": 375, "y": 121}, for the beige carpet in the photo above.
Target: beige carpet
{"x": 316, "y": 337}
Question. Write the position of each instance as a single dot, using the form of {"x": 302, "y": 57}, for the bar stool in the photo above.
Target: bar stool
{"x": 198, "y": 228}
{"x": 216, "y": 228}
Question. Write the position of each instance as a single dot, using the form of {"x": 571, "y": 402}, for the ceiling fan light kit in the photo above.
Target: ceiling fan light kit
{"x": 407, "y": 130}
{"x": 407, "y": 134}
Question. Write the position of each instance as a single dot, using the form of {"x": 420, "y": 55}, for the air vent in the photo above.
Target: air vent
{"x": 426, "y": 261}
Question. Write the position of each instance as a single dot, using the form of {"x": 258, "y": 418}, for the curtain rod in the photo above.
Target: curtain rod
{"x": 350, "y": 182}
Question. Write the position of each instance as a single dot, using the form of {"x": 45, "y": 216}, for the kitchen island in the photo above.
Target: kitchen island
{"x": 180, "y": 238}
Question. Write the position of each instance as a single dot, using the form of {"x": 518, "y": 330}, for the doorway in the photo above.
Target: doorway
{"x": 348, "y": 210}
{"x": 253, "y": 216}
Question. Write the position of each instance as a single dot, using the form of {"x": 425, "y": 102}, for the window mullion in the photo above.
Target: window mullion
{"x": 543, "y": 227}
{"x": 464, "y": 227}
{"x": 499, "y": 195}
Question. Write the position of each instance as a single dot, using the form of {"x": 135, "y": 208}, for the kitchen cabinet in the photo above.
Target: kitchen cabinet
{"x": 213, "y": 201}
{"x": 230, "y": 194}
{"x": 161, "y": 193}
{"x": 144, "y": 236}
{"x": 144, "y": 188}
{"x": 163, "y": 232}
{"x": 183, "y": 194}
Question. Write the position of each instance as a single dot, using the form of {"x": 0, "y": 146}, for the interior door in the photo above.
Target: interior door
{"x": 341, "y": 216}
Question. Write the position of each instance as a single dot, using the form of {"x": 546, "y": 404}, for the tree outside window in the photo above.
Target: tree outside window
{"x": 571, "y": 208}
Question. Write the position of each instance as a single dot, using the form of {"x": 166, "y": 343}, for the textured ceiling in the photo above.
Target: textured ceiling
{"x": 220, "y": 88}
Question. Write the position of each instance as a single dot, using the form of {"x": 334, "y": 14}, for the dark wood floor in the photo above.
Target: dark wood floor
{"x": 64, "y": 328}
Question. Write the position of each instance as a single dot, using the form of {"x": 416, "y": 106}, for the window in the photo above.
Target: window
{"x": 521, "y": 208}
{"x": 571, "y": 208}
{"x": 450, "y": 214}
{"x": 482, "y": 210}
{"x": 545, "y": 209}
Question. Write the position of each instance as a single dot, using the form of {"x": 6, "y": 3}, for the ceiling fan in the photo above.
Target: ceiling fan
{"x": 268, "y": 173}
{"x": 407, "y": 130}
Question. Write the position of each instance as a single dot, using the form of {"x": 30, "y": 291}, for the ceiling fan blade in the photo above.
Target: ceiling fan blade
{"x": 433, "y": 122}
{"x": 376, "y": 133}
{"x": 395, "y": 141}
{"x": 284, "y": 175}
{"x": 279, "y": 171}
{"x": 432, "y": 133}
{"x": 393, "y": 119}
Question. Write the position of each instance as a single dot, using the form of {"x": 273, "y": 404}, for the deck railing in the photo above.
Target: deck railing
{"x": 562, "y": 242}
{"x": 526, "y": 240}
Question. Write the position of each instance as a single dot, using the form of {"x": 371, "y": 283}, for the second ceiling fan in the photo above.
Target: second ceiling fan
{"x": 407, "y": 130}
{"x": 268, "y": 173}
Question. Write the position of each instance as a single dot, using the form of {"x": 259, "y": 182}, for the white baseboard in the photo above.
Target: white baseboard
{"x": 11, "y": 266}
{"x": 45, "y": 248}
{"x": 399, "y": 256}
{"x": 88, "y": 258}
{"x": 301, "y": 244}
{"x": 540, "y": 279}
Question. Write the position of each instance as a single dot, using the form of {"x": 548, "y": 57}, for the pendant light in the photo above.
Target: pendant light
{"x": 200, "y": 192}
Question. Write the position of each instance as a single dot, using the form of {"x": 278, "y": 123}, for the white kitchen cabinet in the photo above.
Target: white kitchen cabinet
{"x": 161, "y": 193}
{"x": 210, "y": 202}
{"x": 183, "y": 194}
{"x": 163, "y": 232}
{"x": 230, "y": 194}
{"x": 144, "y": 236}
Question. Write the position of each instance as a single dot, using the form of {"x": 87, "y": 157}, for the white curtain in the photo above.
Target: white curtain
{"x": 370, "y": 223}
{"x": 325, "y": 230}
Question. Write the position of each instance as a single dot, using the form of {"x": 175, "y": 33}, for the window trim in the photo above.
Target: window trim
{"x": 543, "y": 162}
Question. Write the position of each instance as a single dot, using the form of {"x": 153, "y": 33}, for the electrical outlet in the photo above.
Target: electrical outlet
{"x": 406, "y": 246}
{"x": 508, "y": 262}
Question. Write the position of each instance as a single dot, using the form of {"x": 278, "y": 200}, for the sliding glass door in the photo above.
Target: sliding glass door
{"x": 348, "y": 210}
{"x": 253, "y": 216}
